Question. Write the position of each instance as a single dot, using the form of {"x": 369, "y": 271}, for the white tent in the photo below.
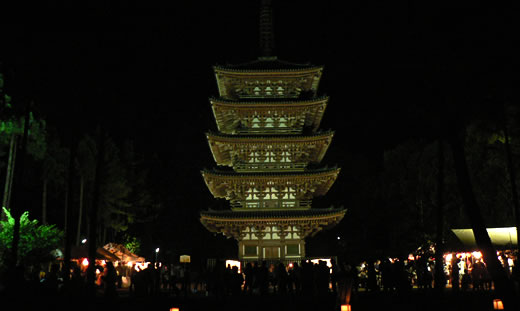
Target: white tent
{"x": 499, "y": 236}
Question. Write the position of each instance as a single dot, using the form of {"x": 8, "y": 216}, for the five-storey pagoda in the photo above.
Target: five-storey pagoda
{"x": 268, "y": 116}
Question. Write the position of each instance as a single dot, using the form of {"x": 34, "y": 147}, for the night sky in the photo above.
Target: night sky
{"x": 145, "y": 70}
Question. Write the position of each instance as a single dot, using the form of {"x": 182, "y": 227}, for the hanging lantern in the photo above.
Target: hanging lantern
{"x": 85, "y": 262}
{"x": 497, "y": 304}
{"x": 174, "y": 309}
{"x": 346, "y": 308}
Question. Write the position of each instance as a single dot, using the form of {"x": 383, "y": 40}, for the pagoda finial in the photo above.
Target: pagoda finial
{"x": 266, "y": 31}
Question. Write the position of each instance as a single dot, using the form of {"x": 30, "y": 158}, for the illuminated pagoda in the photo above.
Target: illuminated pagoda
{"x": 268, "y": 147}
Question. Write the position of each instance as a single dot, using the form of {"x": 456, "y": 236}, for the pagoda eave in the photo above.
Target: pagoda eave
{"x": 229, "y": 185}
{"x": 232, "y": 117}
{"x": 224, "y": 147}
{"x": 232, "y": 225}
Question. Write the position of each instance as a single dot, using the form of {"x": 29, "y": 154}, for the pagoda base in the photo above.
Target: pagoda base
{"x": 259, "y": 250}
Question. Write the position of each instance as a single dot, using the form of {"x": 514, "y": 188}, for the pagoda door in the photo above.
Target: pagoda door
{"x": 271, "y": 252}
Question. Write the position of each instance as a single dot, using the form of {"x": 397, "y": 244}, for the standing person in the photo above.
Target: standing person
{"x": 248, "y": 272}
{"x": 477, "y": 273}
{"x": 344, "y": 283}
{"x": 281, "y": 277}
{"x": 297, "y": 276}
{"x": 307, "y": 279}
{"x": 455, "y": 273}
{"x": 466, "y": 280}
{"x": 334, "y": 276}
{"x": 386, "y": 275}
{"x": 237, "y": 279}
{"x": 132, "y": 275}
{"x": 372, "y": 281}
{"x": 263, "y": 278}
{"x": 110, "y": 280}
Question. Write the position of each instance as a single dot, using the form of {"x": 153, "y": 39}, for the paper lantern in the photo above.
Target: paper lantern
{"x": 346, "y": 308}
{"x": 497, "y": 304}
{"x": 174, "y": 309}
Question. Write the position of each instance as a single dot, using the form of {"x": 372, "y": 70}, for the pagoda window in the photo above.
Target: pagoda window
{"x": 286, "y": 157}
{"x": 250, "y": 250}
{"x": 275, "y": 236}
{"x": 255, "y": 123}
{"x": 292, "y": 249}
{"x": 282, "y": 122}
{"x": 290, "y": 193}
{"x": 246, "y": 237}
{"x": 269, "y": 122}
{"x": 267, "y": 236}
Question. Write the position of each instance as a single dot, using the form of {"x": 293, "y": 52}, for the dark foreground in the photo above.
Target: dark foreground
{"x": 414, "y": 300}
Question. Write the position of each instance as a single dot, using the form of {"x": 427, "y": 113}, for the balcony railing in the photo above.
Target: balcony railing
{"x": 271, "y": 204}
{"x": 269, "y": 166}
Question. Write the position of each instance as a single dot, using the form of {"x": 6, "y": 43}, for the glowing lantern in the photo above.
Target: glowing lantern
{"x": 497, "y": 304}
{"x": 85, "y": 262}
{"x": 346, "y": 308}
{"x": 477, "y": 255}
{"x": 174, "y": 309}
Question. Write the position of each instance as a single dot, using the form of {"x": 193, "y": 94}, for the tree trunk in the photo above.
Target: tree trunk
{"x": 440, "y": 279}
{"x": 472, "y": 209}
{"x": 44, "y": 202}
{"x": 16, "y": 208}
{"x": 68, "y": 219}
{"x": 93, "y": 217}
{"x": 512, "y": 178}
{"x": 80, "y": 212}
{"x": 9, "y": 171}
{"x": 65, "y": 208}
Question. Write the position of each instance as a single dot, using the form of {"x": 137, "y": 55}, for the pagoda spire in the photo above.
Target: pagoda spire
{"x": 266, "y": 31}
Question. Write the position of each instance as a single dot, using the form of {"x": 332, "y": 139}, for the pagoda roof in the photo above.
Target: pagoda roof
{"x": 309, "y": 148}
{"x": 270, "y": 138}
{"x": 230, "y": 114}
{"x": 267, "y": 175}
{"x": 267, "y": 64}
{"x": 267, "y": 78}
{"x": 271, "y": 102}
{"x": 229, "y": 184}
{"x": 273, "y": 214}
{"x": 232, "y": 224}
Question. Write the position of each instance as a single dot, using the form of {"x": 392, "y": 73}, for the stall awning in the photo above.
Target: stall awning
{"x": 122, "y": 252}
{"x": 101, "y": 253}
{"x": 500, "y": 237}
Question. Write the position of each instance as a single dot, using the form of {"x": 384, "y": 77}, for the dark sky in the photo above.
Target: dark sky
{"x": 146, "y": 69}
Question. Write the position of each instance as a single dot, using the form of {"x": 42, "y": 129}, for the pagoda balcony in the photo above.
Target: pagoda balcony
{"x": 267, "y": 116}
{"x": 269, "y": 167}
{"x": 270, "y": 204}
{"x": 269, "y": 130}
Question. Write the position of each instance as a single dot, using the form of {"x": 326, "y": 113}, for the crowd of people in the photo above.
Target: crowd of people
{"x": 402, "y": 274}
{"x": 263, "y": 278}
{"x": 268, "y": 278}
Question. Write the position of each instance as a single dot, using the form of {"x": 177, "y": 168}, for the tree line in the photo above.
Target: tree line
{"x": 54, "y": 176}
